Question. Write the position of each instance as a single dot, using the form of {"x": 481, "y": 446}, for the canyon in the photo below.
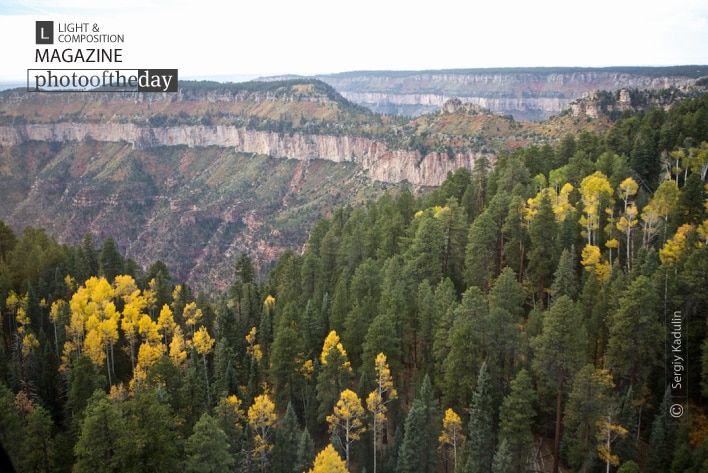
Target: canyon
{"x": 526, "y": 94}
{"x": 375, "y": 159}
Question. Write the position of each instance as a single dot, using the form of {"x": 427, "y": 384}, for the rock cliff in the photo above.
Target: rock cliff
{"x": 380, "y": 163}
{"x": 527, "y": 94}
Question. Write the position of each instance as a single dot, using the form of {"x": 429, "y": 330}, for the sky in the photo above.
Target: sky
{"x": 236, "y": 40}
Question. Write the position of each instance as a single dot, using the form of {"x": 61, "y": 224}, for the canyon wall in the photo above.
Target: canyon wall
{"x": 380, "y": 163}
{"x": 527, "y": 95}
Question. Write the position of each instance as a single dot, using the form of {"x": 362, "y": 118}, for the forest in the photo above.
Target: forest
{"x": 545, "y": 312}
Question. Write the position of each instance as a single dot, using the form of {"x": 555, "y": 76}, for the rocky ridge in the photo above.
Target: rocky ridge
{"x": 527, "y": 94}
{"x": 380, "y": 163}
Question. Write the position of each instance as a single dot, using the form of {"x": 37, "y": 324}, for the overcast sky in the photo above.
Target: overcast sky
{"x": 239, "y": 39}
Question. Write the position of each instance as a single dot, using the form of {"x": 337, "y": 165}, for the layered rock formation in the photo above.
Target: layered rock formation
{"x": 532, "y": 94}
{"x": 380, "y": 163}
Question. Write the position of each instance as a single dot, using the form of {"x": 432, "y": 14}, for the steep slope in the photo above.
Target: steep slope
{"x": 195, "y": 209}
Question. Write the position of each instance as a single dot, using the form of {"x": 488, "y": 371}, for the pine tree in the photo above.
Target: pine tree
{"x": 207, "y": 448}
{"x": 481, "y": 427}
{"x": 417, "y": 453}
{"x": 543, "y": 255}
{"x": 661, "y": 440}
{"x": 564, "y": 279}
{"x": 503, "y": 462}
{"x": 515, "y": 418}
{"x": 635, "y": 332}
{"x": 305, "y": 452}
{"x": 286, "y": 441}
{"x": 102, "y": 436}
{"x": 588, "y": 401}
{"x": 559, "y": 353}
{"x": 38, "y": 449}
{"x": 153, "y": 437}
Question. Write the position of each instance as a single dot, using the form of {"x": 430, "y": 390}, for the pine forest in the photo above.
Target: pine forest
{"x": 543, "y": 312}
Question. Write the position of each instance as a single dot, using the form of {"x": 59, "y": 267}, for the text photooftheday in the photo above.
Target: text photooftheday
{"x": 114, "y": 79}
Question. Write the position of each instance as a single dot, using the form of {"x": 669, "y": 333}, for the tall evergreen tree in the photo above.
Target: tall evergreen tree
{"x": 286, "y": 442}
{"x": 418, "y": 450}
{"x": 481, "y": 427}
{"x": 564, "y": 279}
{"x": 559, "y": 353}
{"x": 635, "y": 332}
{"x": 543, "y": 255}
{"x": 503, "y": 462}
{"x": 207, "y": 448}
{"x": 305, "y": 452}
{"x": 516, "y": 417}
{"x": 102, "y": 437}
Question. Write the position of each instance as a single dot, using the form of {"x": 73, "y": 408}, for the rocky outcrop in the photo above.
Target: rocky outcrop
{"x": 534, "y": 94}
{"x": 380, "y": 163}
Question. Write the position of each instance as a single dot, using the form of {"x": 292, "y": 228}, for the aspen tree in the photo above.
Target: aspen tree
{"x": 346, "y": 420}
{"x": 378, "y": 400}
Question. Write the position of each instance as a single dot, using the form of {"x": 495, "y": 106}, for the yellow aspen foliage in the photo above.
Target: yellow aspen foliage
{"x": 673, "y": 248}
{"x": 451, "y": 435}
{"x": 594, "y": 189}
{"x": 14, "y": 302}
{"x": 703, "y": 232}
{"x": 307, "y": 369}
{"x": 148, "y": 354}
{"x": 262, "y": 419}
{"x": 627, "y": 188}
{"x": 93, "y": 345}
{"x": 658, "y": 209}
{"x": 70, "y": 283}
{"x": 562, "y": 206}
{"x": 109, "y": 326}
{"x": 233, "y": 403}
{"x": 253, "y": 348}
{"x": 148, "y": 329}
{"x": 56, "y": 309}
{"x": 608, "y": 433}
{"x": 328, "y": 461}
{"x": 346, "y": 420}
{"x": 118, "y": 393}
{"x": 383, "y": 393}
{"x": 124, "y": 286}
{"x": 29, "y": 343}
{"x": 166, "y": 322}
{"x": 591, "y": 259}
{"x": 192, "y": 315}
{"x": 178, "y": 352}
{"x": 347, "y": 415}
{"x": 269, "y": 303}
{"x": 332, "y": 342}
{"x": 176, "y": 294}
{"x": 22, "y": 320}
{"x": 203, "y": 341}
{"x": 28, "y": 339}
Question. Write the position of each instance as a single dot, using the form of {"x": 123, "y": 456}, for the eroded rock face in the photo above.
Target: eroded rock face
{"x": 380, "y": 163}
{"x": 525, "y": 95}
